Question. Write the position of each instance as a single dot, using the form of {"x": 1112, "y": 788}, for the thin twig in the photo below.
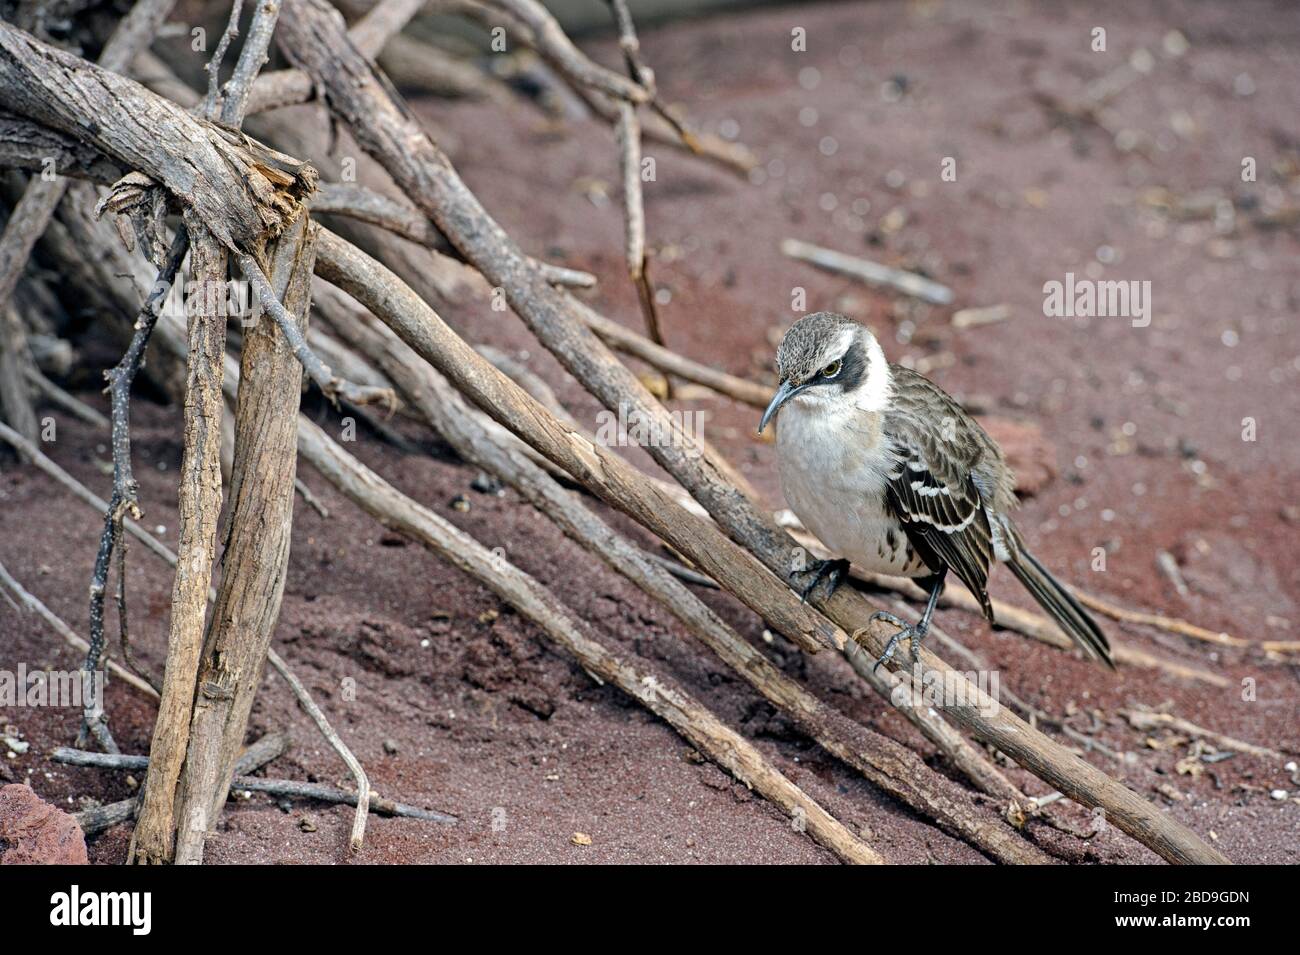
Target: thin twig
{"x": 124, "y": 501}
{"x": 873, "y": 273}
{"x": 634, "y": 248}
{"x": 1145, "y": 720}
{"x": 32, "y": 603}
{"x": 375, "y": 803}
{"x": 310, "y": 498}
{"x": 362, "y": 796}
{"x": 1159, "y": 621}
{"x": 213, "y": 67}
{"x": 70, "y": 403}
{"x": 251, "y": 59}
{"x": 330, "y": 384}
{"x": 96, "y": 820}
{"x": 631, "y": 47}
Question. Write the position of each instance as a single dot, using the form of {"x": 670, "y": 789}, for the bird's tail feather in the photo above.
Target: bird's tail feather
{"x": 1061, "y": 605}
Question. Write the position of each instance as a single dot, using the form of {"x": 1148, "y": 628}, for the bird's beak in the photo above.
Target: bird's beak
{"x": 783, "y": 394}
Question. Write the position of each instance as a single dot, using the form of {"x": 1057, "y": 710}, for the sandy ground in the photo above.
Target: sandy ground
{"x": 461, "y": 707}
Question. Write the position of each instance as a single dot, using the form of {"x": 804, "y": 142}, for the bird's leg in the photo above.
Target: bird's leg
{"x": 833, "y": 571}
{"x": 914, "y": 634}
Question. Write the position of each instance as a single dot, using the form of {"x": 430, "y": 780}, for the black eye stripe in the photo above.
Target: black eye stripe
{"x": 854, "y": 368}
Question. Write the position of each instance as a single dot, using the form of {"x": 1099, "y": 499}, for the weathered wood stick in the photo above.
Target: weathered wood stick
{"x": 200, "y": 504}
{"x": 256, "y": 555}
{"x": 1146, "y": 720}
{"x": 873, "y": 273}
{"x": 96, "y": 820}
{"x": 361, "y": 798}
{"x": 375, "y": 803}
{"x": 266, "y": 749}
{"x": 241, "y": 191}
{"x": 289, "y": 87}
{"x": 16, "y": 366}
{"x": 529, "y": 18}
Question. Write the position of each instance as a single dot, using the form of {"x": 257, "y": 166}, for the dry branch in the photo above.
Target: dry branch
{"x": 93, "y": 821}
{"x": 363, "y": 796}
{"x": 873, "y": 273}
{"x": 529, "y": 19}
{"x": 124, "y": 499}
{"x": 1147, "y": 720}
{"x": 200, "y": 503}
{"x": 68, "y": 402}
{"x": 16, "y": 368}
{"x": 268, "y": 748}
{"x": 256, "y": 555}
{"x": 241, "y": 191}
{"x": 212, "y": 104}
{"x": 371, "y": 32}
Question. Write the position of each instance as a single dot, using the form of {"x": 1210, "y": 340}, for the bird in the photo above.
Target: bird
{"x": 891, "y": 473}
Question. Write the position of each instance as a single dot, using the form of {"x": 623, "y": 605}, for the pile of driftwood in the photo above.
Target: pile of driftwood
{"x": 136, "y": 181}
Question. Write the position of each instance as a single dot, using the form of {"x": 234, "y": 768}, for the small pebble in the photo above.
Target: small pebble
{"x": 390, "y": 747}
{"x": 581, "y": 839}
{"x": 460, "y": 503}
{"x": 307, "y": 824}
{"x": 1279, "y": 794}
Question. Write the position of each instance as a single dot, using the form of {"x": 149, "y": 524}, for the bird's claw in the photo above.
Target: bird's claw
{"x": 914, "y": 636}
{"x": 832, "y": 571}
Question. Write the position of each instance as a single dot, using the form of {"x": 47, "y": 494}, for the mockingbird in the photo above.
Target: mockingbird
{"x": 892, "y": 475}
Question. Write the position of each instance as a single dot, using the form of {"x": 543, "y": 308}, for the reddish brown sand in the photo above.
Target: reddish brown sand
{"x": 484, "y": 719}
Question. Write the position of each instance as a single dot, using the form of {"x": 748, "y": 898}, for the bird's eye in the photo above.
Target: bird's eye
{"x": 833, "y": 369}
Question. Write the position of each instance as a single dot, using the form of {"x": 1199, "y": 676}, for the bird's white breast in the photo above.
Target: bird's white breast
{"x": 834, "y": 465}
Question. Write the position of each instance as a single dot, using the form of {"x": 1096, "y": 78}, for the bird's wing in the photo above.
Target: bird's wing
{"x": 931, "y": 489}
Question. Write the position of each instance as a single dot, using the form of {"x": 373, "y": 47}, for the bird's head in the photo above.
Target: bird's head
{"x": 828, "y": 362}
